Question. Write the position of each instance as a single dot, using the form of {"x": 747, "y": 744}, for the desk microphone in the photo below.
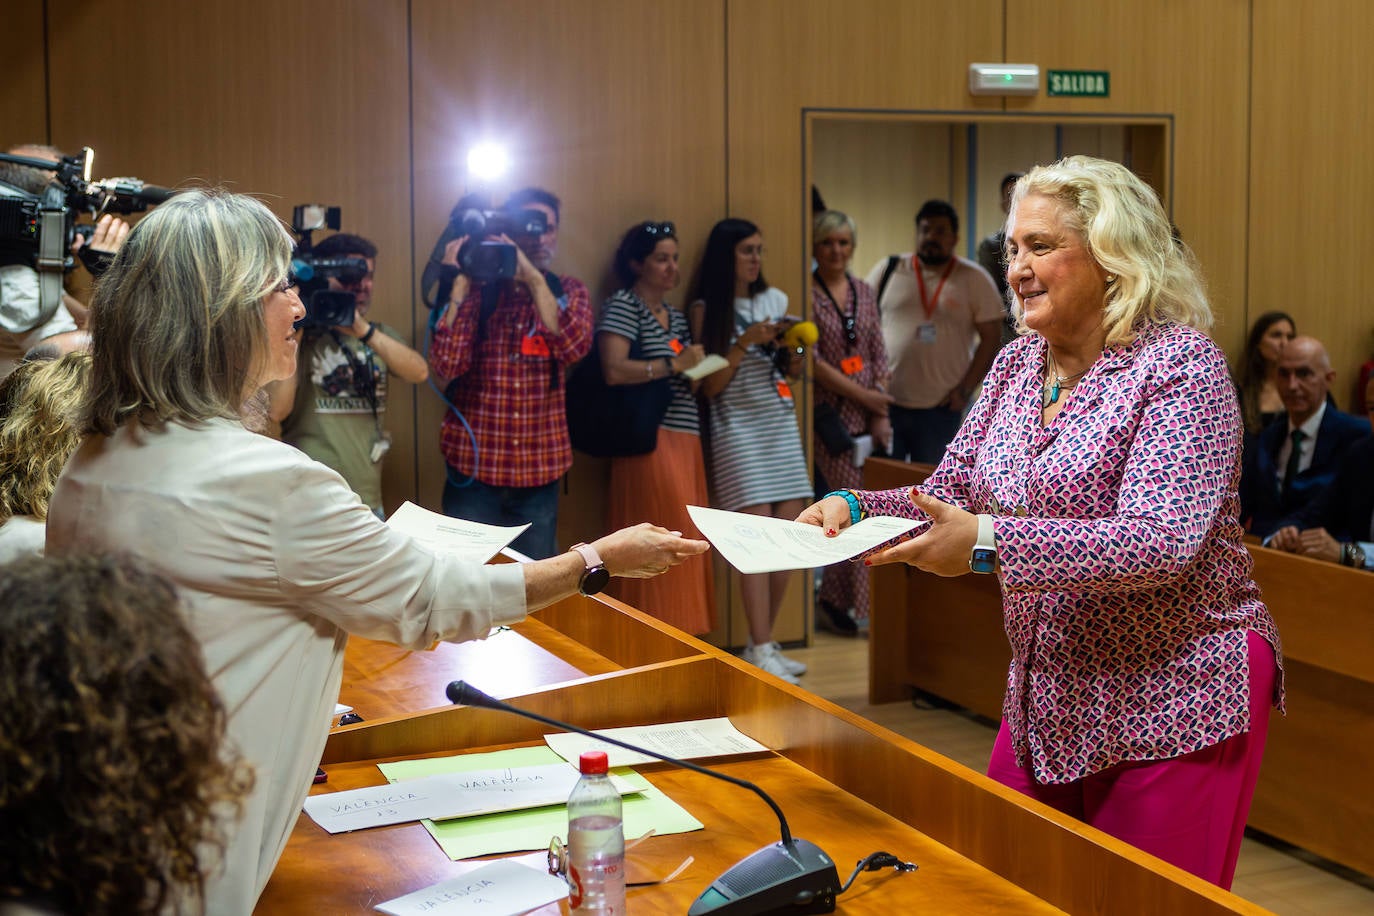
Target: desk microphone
{"x": 793, "y": 876}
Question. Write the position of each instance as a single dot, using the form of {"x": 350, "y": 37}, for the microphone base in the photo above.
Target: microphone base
{"x": 794, "y": 879}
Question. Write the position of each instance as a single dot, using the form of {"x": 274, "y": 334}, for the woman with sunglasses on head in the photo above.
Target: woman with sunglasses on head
{"x": 851, "y": 379}
{"x": 757, "y": 462}
{"x": 641, "y": 338}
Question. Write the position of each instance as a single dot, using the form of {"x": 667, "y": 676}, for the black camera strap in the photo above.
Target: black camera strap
{"x": 363, "y": 374}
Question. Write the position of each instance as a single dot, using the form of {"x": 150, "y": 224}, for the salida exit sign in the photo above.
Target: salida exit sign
{"x": 1079, "y": 82}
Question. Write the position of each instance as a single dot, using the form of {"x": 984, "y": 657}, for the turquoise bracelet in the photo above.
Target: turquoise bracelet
{"x": 856, "y": 511}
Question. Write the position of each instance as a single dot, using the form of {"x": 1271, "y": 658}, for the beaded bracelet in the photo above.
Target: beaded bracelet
{"x": 856, "y": 511}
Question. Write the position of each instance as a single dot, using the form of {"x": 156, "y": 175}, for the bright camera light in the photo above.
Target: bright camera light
{"x": 487, "y": 161}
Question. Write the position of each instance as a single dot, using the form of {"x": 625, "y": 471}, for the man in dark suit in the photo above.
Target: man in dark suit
{"x": 1294, "y": 458}
{"x": 1339, "y": 526}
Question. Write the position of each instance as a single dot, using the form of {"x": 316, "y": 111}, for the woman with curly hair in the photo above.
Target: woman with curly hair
{"x": 38, "y": 406}
{"x": 114, "y": 788}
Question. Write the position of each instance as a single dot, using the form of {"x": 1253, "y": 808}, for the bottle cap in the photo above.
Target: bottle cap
{"x": 592, "y": 762}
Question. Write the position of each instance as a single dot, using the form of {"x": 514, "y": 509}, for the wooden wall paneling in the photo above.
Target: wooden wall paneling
{"x": 1311, "y": 148}
{"x": 23, "y": 92}
{"x": 617, "y": 107}
{"x": 789, "y": 55}
{"x": 299, "y": 102}
{"x": 1171, "y": 57}
{"x": 1004, "y": 147}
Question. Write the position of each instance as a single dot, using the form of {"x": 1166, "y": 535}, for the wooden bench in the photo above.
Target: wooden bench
{"x": 944, "y": 637}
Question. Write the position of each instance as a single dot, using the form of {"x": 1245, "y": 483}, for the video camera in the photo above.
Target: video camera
{"x": 484, "y": 259}
{"x": 324, "y": 307}
{"x": 37, "y": 226}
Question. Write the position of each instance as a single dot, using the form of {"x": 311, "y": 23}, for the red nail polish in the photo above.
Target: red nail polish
{"x": 830, "y": 532}
{"x": 868, "y": 562}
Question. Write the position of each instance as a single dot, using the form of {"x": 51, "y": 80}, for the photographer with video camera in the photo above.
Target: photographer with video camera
{"x": 333, "y": 408}
{"x": 507, "y": 333}
{"x": 41, "y": 193}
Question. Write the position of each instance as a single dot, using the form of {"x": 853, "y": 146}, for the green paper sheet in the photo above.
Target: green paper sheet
{"x": 519, "y": 831}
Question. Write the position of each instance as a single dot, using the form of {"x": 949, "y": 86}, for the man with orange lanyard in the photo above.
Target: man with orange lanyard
{"x": 935, "y": 307}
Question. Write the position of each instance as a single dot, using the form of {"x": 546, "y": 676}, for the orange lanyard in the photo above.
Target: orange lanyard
{"x": 929, "y": 304}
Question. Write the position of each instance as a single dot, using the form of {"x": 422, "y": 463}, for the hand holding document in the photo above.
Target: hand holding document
{"x": 711, "y": 363}
{"x": 469, "y": 540}
{"x": 760, "y": 544}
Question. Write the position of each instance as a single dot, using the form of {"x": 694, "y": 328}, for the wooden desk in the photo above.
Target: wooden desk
{"x": 945, "y": 637}
{"x": 846, "y": 784}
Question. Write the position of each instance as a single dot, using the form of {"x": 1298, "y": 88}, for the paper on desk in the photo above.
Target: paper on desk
{"x": 501, "y": 888}
{"x": 469, "y": 540}
{"x": 520, "y": 831}
{"x": 448, "y": 795}
{"x": 684, "y": 740}
{"x": 759, "y": 544}
{"x": 711, "y": 363}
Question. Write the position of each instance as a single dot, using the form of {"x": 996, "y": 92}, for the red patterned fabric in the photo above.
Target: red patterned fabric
{"x": 1127, "y": 593}
{"x": 513, "y": 400}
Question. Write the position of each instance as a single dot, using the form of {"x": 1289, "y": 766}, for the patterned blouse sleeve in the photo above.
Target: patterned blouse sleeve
{"x": 1182, "y": 462}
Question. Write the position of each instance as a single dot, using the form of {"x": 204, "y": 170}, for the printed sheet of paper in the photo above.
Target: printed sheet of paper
{"x": 711, "y": 363}
{"x": 532, "y": 828}
{"x": 448, "y": 795}
{"x": 759, "y": 544}
{"x": 684, "y": 740}
{"x": 501, "y": 888}
{"x": 469, "y": 540}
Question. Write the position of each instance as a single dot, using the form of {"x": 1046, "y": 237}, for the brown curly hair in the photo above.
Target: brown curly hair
{"x": 38, "y": 430}
{"x": 112, "y": 774}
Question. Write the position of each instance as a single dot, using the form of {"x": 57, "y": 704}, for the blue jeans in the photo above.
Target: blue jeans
{"x": 509, "y": 506}
{"x": 922, "y": 434}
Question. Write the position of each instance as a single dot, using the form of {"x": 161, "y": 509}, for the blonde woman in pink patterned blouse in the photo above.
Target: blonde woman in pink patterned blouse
{"x": 1097, "y": 477}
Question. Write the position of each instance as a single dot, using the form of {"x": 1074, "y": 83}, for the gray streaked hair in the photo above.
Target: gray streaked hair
{"x": 177, "y": 321}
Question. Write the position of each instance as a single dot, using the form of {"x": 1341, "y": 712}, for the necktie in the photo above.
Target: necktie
{"x": 1290, "y": 470}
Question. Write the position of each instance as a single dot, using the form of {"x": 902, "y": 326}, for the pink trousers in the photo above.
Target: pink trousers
{"x": 1187, "y": 810}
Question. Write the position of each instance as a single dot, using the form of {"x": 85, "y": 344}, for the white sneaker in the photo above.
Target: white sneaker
{"x": 767, "y": 659}
{"x": 791, "y": 664}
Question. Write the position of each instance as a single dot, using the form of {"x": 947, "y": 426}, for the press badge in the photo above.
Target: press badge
{"x": 676, "y": 346}
{"x": 784, "y": 390}
{"x": 534, "y": 344}
{"x": 926, "y": 334}
{"x": 380, "y": 446}
{"x": 852, "y": 365}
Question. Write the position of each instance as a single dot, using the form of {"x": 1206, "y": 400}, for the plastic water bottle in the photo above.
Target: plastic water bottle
{"x": 596, "y": 841}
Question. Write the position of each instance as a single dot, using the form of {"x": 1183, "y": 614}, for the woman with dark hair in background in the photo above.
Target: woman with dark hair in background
{"x": 638, "y": 320}
{"x": 851, "y": 383}
{"x": 116, "y": 789}
{"x": 1259, "y": 394}
{"x": 757, "y": 462}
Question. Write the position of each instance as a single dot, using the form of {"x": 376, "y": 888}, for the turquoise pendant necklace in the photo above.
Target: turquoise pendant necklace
{"x": 1052, "y": 389}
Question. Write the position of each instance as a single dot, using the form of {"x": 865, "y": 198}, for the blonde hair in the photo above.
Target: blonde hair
{"x": 177, "y": 320}
{"x": 39, "y": 431}
{"x": 1156, "y": 279}
{"x": 828, "y": 221}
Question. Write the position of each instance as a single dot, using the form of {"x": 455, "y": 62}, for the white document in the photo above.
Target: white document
{"x": 683, "y": 740}
{"x": 469, "y": 540}
{"x": 501, "y": 888}
{"x": 446, "y": 796}
{"x": 760, "y": 544}
{"x": 711, "y": 363}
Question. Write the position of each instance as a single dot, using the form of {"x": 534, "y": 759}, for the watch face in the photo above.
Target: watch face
{"x": 983, "y": 560}
{"x": 594, "y": 580}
